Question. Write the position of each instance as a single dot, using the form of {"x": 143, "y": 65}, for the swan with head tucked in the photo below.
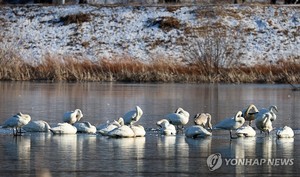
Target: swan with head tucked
{"x": 179, "y": 117}
{"x": 196, "y": 131}
{"x": 37, "y": 126}
{"x": 203, "y": 119}
{"x": 132, "y": 116}
{"x": 138, "y": 130}
{"x": 285, "y": 132}
{"x": 231, "y": 123}
{"x": 63, "y": 128}
{"x": 85, "y": 127}
{"x": 166, "y": 128}
{"x": 245, "y": 131}
{"x": 264, "y": 123}
{"x": 72, "y": 116}
{"x": 124, "y": 131}
{"x": 271, "y": 110}
{"x": 103, "y": 129}
{"x": 17, "y": 122}
{"x": 249, "y": 113}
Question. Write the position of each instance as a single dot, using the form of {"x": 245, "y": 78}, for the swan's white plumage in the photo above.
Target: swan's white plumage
{"x": 85, "y": 127}
{"x": 63, "y": 128}
{"x": 17, "y": 121}
{"x": 124, "y": 131}
{"x": 138, "y": 130}
{"x": 166, "y": 128}
{"x": 37, "y": 126}
{"x": 285, "y": 132}
{"x": 132, "y": 116}
{"x": 103, "y": 129}
{"x": 263, "y": 122}
{"x": 245, "y": 131}
{"x": 72, "y": 116}
{"x": 203, "y": 119}
{"x": 232, "y": 123}
{"x": 196, "y": 131}
{"x": 250, "y": 113}
{"x": 179, "y": 117}
{"x": 271, "y": 110}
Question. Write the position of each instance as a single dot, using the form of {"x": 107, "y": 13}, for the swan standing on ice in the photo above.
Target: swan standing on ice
{"x": 37, "y": 126}
{"x": 232, "y": 123}
{"x": 166, "y": 128}
{"x": 85, "y": 127}
{"x": 245, "y": 131}
{"x": 196, "y": 131}
{"x": 72, "y": 116}
{"x": 285, "y": 132}
{"x": 124, "y": 131}
{"x": 203, "y": 119}
{"x": 264, "y": 123}
{"x": 270, "y": 110}
{"x": 103, "y": 129}
{"x": 64, "y": 128}
{"x": 132, "y": 116}
{"x": 17, "y": 121}
{"x": 179, "y": 117}
{"x": 250, "y": 113}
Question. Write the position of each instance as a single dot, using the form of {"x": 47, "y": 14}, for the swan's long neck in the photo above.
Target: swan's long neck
{"x": 139, "y": 112}
{"x": 252, "y": 106}
{"x": 209, "y": 121}
{"x": 121, "y": 121}
{"x": 238, "y": 116}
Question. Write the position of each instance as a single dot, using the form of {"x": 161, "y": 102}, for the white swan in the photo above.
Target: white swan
{"x": 249, "y": 113}
{"x": 232, "y": 123}
{"x": 124, "y": 131}
{"x": 132, "y": 116}
{"x": 270, "y": 110}
{"x": 138, "y": 130}
{"x": 203, "y": 119}
{"x": 166, "y": 128}
{"x": 285, "y": 132}
{"x": 37, "y": 126}
{"x": 103, "y": 129}
{"x": 245, "y": 131}
{"x": 72, "y": 116}
{"x": 179, "y": 117}
{"x": 64, "y": 128}
{"x": 85, "y": 127}
{"x": 17, "y": 121}
{"x": 196, "y": 131}
{"x": 264, "y": 123}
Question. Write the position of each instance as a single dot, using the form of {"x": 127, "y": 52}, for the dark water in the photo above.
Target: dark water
{"x": 43, "y": 154}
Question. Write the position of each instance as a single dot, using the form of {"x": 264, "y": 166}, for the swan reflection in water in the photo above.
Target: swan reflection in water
{"x": 18, "y": 150}
{"x": 174, "y": 152}
{"x": 66, "y": 151}
{"x": 286, "y": 145}
{"x": 126, "y": 153}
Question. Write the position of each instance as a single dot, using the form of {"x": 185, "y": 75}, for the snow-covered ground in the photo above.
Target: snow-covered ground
{"x": 257, "y": 33}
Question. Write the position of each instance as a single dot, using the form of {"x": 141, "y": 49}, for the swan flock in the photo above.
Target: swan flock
{"x": 171, "y": 124}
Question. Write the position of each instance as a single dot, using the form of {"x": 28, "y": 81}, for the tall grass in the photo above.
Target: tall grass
{"x": 130, "y": 70}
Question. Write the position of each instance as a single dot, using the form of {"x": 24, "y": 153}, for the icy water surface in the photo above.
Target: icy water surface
{"x": 43, "y": 154}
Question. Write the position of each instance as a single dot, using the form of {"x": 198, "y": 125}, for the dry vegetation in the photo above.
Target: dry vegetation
{"x": 129, "y": 70}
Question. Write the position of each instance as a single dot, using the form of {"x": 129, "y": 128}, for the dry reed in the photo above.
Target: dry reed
{"x": 52, "y": 68}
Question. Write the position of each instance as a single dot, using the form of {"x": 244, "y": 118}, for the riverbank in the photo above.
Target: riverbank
{"x": 209, "y": 43}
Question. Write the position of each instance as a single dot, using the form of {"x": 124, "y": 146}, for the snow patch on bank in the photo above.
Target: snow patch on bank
{"x": 263, "y": 34}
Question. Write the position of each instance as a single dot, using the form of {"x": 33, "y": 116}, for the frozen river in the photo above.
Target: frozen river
{"x": 41, "y": 154}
